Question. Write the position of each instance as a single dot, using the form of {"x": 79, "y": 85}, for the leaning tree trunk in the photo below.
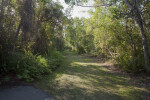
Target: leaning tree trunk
{"x": 144, "y": 43}
{"x": 143, "y": 36}
{"x": 139, "y": 20}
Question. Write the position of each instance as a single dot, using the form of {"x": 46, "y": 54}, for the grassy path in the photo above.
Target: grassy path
{"x": 84, "y": 78}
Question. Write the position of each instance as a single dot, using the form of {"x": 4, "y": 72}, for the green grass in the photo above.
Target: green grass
{"x": 83, "y": 78}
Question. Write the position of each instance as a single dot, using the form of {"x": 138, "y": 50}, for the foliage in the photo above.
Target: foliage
{"x": 30, "y": 32}
{"x": 110, "y": 34}
{"x": 29, "y": 67}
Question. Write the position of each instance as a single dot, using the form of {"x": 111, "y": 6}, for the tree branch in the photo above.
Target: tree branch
{"x": 104, "y": 5}
{"x": 108, "y": 5}
{"x": 128, "y": 4}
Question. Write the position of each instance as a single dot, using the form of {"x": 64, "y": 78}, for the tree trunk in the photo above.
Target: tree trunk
{"x": 143, "y": 36}
{"x": 1, "y": 14}
{"x": 145, "y": 47}
{"x": 139, "y": 21}
{"x": 16, "y": 36}
{"x": 2, "y": 7}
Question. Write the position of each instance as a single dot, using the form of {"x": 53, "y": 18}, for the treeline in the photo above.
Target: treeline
{"x": 112, "y": 34}
{"x": 31, "y": 34}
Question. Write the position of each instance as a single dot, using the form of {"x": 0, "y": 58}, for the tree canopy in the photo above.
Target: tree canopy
{"x": 117, "y": 30}
{"x": 115, "y": 25}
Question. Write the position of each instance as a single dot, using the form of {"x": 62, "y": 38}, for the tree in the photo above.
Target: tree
{"x": 132, "y": 10}
{"x": 29, "y": 27}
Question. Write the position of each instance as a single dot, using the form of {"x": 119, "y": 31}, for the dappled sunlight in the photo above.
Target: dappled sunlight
{"x": 88, "y": 64}
{"x": 104, "y": 56}
{"x": 82, "y": 80}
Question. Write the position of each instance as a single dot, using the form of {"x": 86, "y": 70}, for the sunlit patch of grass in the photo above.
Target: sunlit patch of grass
{"x": 83, "y": 79}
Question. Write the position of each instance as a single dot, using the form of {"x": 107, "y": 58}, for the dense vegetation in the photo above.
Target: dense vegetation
{"x": 31, "y": 37}
{"x": 34, "y": 32}
{"x": 118, "y": 30}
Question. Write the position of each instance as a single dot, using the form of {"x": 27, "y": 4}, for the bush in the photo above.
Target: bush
{"x": 131, "y": 63}
{"x": 29, "y": 67}
{"x": 80, "y": 49}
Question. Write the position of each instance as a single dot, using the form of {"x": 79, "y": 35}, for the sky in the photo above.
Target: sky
{"x": 78, "y": 11}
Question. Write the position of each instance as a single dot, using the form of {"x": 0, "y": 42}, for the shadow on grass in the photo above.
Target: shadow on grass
{"x": 83, "y": 78}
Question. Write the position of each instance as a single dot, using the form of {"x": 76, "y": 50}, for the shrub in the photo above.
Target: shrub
{"x": 29, "y": 67}
{"x": 130, "y": 63}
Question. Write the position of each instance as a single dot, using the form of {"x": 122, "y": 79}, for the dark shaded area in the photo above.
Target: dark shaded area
{"x": 24, "y": 93}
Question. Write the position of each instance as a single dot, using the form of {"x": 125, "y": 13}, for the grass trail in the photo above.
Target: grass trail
{"x": 84, "y": 78}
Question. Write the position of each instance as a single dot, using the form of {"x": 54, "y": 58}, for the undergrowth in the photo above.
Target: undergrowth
{"x": 29, "y": 67}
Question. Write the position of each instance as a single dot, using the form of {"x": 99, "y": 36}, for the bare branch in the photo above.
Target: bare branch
{"x": 108, "y": 5}
{"x": 120, "y": 8}
{"x": 128, "y": 4}
{"x": 104, "y": 5}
